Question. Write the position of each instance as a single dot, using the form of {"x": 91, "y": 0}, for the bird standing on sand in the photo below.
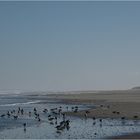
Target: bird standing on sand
{"x": 93, "y": 118}
{"x": 67, "y": 108}
{"x": 24, "y": 127}
{"x": 85, "y": 115}
{"x": 45, "y": 110}
{"x": 15, "y": 117}
{"x": 8, "y": 114}
{"x": 29, "y": 114}
{"x": 35, "y": 110}
{"x": 39, "y": 119}
{"x": 3, "y": 115}
{"x": 18, "y": 110}
{"x": 64, "y": 116}
{"x": 22, "y": 111}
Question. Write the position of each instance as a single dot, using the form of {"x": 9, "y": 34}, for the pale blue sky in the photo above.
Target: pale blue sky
{"x": 69, "y": 45}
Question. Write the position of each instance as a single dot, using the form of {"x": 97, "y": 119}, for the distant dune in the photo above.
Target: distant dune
{"x": 138, "y": 88}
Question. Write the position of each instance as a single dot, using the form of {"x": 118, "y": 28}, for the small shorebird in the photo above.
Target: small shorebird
{"x": 15, "y": 117}
{"x": 24, "y": 127}
{"x": 45, "y": 110}
{"x": 135, "y": 117}
{"x": 3, "y": 115}
{"x": 29, "y": 113}
{"x": 100, "y": 120}
{"x": 22, "y": 111}
{"x": 85, "y": 115}
{"x": 67, "y": 108}
{"x": 93, "y": 118}
{"x": 64, "y": 116}
{"x": 8, "y": 114}
{"x": 122, "y": 118}
{"x": 87, "y": 111}
{"x": 50, "y": 119}
{"x": 39, "y": 119}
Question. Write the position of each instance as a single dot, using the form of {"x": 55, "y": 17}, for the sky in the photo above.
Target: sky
{"x": 69, "y": 45}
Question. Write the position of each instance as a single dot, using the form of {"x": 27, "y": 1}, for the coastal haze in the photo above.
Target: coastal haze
{"x": 69, "y": 45}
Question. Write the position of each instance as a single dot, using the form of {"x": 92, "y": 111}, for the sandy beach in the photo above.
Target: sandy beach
{"x": 109, "y": 104}
{"x": 109, "y": 114}
{"x": 112, "y": 104}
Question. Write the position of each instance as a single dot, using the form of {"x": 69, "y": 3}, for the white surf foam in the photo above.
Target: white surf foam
{"x": 16, "y": 104}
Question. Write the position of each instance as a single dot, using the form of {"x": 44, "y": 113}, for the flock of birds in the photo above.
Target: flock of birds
{"x": 52, "y": 116}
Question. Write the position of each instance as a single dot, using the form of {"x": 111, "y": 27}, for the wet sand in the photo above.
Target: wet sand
{"x": 128, "y": 136}
{"x": 109, "y": 104}
{"x": 99, "y": 105}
